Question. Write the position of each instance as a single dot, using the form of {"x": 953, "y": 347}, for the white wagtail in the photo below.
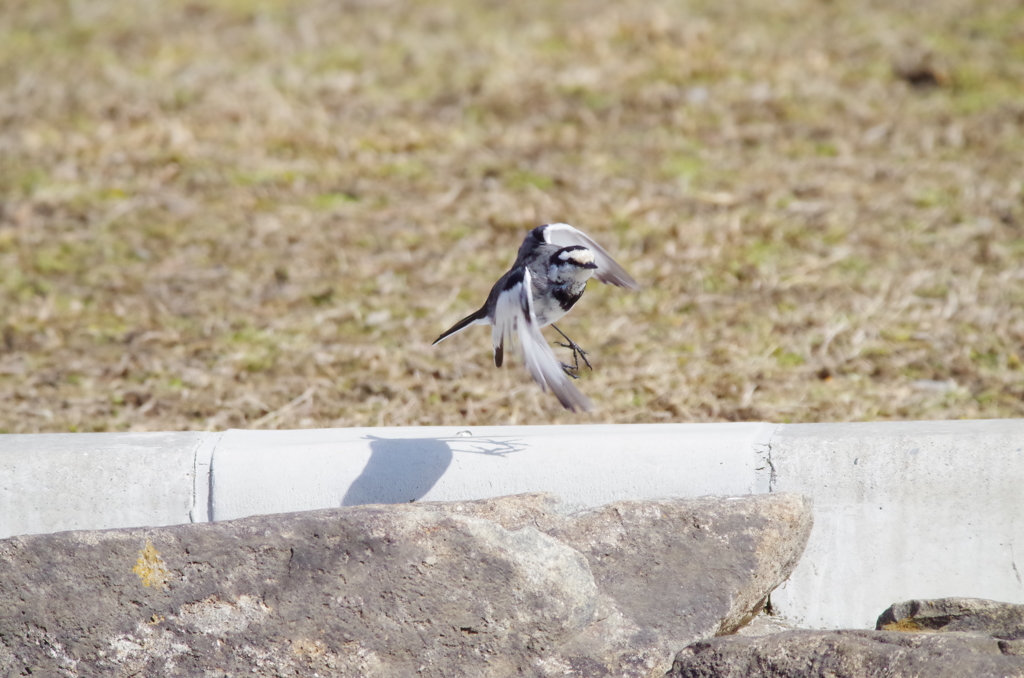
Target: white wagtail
{"x": 548, "y": 278}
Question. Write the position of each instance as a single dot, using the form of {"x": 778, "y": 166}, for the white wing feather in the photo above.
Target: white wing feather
{"x": 608, "y": 270}
{"x": 515, "y": 322}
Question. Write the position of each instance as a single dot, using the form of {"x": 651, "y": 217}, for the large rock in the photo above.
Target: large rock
{"x": 498, "y": 588}
{"x": 671, "y": 571}
{"x": 369, "y": 591}
{"x": 679, "y": 571}
{"x": 848, "y": 654}
{"x": 975, "y": 615}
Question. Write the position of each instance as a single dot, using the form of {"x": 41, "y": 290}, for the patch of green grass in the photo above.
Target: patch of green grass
{"x": 255, "y": 350}
{"x": 684, "y": 167}
{"x": 989, "y": 359}
{"x": 60, "y": 258}
{"x": 329, "y": 201}
{"x": 263, "y": 177}
{"x": 933, "y": 197}
{"x": 826, "y": 149}
{"x": 405, "y": 168}
{"x": 521, "y": 178}
{"x": 788, "y": 358}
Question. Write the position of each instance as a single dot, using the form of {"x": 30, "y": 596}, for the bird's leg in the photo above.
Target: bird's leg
{"x": 577, "y": 353}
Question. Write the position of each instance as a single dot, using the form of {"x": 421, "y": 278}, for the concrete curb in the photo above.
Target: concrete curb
{"x": 902, "y": 509}
{"x": 91, "y": 481}
{"x": 273, "y": 471}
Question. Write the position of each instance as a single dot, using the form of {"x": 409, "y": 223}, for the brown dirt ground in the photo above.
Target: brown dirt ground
{"x": 221, "y": 213}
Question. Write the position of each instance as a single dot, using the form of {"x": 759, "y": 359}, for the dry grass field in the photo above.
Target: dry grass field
{"x": 260, "y": 213}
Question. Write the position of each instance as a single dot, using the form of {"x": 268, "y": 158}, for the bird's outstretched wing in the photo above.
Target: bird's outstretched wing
{"x": 515, "y": 321}
{"x": 608, "y": 270}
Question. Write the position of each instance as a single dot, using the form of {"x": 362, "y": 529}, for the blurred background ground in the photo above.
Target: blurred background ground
{"x": 232, "y": 213}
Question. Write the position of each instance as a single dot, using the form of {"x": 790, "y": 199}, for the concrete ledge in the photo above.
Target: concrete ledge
{"x": 273, "y": 471}
{"x": 902, "y": 509}
{"x": 91, "y": 481}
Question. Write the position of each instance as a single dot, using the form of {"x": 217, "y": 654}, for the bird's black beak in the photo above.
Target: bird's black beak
{"x": 590, "y": 265}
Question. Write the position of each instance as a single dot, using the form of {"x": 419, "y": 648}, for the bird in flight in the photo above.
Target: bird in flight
{"x": 548, "y": 277}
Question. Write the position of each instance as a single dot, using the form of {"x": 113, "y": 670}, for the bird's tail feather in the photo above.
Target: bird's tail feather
{"x": 478, "y": 317}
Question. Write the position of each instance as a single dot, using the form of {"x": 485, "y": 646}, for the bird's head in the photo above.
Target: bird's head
{"x": 572, "y": 262}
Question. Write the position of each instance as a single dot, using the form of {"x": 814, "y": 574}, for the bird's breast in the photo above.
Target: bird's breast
{"x": 557, "y": 302}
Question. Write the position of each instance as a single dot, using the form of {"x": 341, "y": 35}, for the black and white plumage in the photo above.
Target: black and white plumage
{"x": 548, "y": 277}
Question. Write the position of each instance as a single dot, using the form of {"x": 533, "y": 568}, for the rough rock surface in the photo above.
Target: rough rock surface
{"x": 492, "y": 588}
{"x": 670, "y": 571}
{"x": 363, "y": 591}
{"x": 976, "y": 615}
{"x": 848, "y": 654}
{"x": 679, "y": 571}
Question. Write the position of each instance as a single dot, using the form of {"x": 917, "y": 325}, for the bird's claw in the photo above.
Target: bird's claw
{"x": 577, "y": 353}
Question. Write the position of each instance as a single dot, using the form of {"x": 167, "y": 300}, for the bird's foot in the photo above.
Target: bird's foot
{"x": 577, "y": 353}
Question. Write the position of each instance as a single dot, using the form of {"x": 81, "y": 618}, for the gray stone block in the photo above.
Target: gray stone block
{"x": 491, "y": 588}
{"x": 847, "y": 654}
{"x": 975, "y": 615}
